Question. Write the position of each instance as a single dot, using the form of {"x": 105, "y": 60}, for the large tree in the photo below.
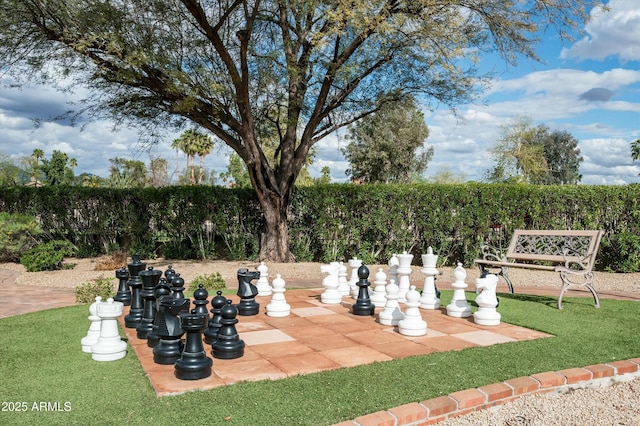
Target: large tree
{"x": 230, "y": 65}
{"x": 384, "y": 145}
{"x": 561, "y": 154}
{"x": 635, "y": 150}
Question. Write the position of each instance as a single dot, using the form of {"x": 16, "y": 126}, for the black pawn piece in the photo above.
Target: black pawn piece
{"x": 217, "y": 303}
{"x": 194, "y": 363}
{"x": 150, "y": 279}
{"x": 247, "y": 292}
{"x": 169, "y": 274}
{"x": 137, "y": 309}
{"x": 124, "y": 293}
{"x": 169, "y": 330}
{"x": 177, "y": 288}
{"x": 228, "y": 344}
{"x": 201, "y": 295}
{"x": 363, "y": 305}
{"x": 162, "y": 290}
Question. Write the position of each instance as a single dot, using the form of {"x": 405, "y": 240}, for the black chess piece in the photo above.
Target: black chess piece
{"x": 217, "y": 303}
{"x": 177, "y": 287}
{"x": 169, "y": 330}
{"x": 150, "y": 279}
{"x": 228, "y": 344}
{"x": 200, "y": 301}
{"x": 193, "y": 363}
{"x": 363, "y": 305}
{"x": 162, "y": 289}
{"x": 135, "y": 282}
{"x": 124, "y": 292}
{"x": 247, "y": 292}
{"x": 169, "y": 274}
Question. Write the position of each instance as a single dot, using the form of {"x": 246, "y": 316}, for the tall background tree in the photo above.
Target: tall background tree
{"x": 58, "y": 170}
{"x": 310, "y": 67}
{"x": 384, "y": 146}
{"x": 635, "y": 150}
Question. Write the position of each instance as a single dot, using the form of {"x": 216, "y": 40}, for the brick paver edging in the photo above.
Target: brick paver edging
{"x": 459, "y": 403}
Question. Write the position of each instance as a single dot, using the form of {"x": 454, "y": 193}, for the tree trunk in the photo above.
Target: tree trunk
{"x": 274, "y": 240}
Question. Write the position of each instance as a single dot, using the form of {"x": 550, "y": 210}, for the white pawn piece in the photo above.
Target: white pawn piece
{"x": 404, "y": 270}
{"x": 278, "y": 306}
{"x": 354, "y": 264}
{"x": 379, "y": 295}
{"x": 94, "y": 329}
{"x": 487, "y": 301}
{"x": 412, "y": 324}
{"x": 393, "y": 269}
{"x": 429, "y": 298}
{"x": 343, "y": 283}
{"x": 109, "y": 347}
{"x": 391, "y": 314}
{"x": 331, "y": 296}
{"x": 459, "y": 307}
{"x": 264, "y": 289}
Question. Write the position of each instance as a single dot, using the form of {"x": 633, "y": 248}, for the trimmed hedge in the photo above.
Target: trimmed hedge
{"x": 331, "y": 222}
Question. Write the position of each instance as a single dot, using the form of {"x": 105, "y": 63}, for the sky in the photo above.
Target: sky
{"x": 589, "y": 87}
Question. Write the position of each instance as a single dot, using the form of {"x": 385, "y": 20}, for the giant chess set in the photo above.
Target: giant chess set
{"x": 197, "y": 337}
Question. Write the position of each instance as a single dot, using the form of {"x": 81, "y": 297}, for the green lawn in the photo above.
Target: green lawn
{"x": 41, "y": 361}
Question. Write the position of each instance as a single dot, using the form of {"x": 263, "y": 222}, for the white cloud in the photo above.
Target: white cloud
{"x": 610, "y": 33}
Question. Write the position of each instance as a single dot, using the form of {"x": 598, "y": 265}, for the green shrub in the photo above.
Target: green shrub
{"x": 17, "y": 235}
{"x": 47, "y": 256}
{"x": 622, "y": 252}
{"x": 211, "y": 282}
{"x": 101, "y": 286}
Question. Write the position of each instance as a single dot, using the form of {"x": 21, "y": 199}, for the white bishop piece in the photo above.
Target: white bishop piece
{"x": 278, "y": 306}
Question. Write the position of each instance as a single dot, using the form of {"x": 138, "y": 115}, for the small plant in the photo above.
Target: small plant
{"x": 47, "y": 256}
{"x": 111, "y": 261}
{"x": 101, "y": 286}
{"x": 17, "y": 235}
{"x": 211, "y": 282}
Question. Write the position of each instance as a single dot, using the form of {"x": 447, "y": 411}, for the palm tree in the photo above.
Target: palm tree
{"x": 204, "y": 147}
{"x": 37, "y": 154}
{"x": 635, "y": 150}
{"x": 190, "y": 143}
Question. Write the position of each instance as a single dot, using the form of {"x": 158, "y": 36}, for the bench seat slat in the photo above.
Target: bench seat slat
{"x": 514, "y": 264}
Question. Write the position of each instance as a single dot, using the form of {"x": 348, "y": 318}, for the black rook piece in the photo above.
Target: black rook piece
{"x": 194, "y": 363}
{"x": 124, "y": 293}
{"x": 228, "y": 344}
{"x": 247, "y": 292}
{"x": 217, "y": 303}
{"x": 363, "y": 305}
{"x": 136, "y": 310}
{"x": 150, "y": 279}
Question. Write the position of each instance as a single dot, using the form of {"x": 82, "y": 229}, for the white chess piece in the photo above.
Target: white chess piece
{"x": 343, "y": 283}
{"x": 391, "y": 314}
{"x": 94, "y": 328}
{"x": 404, "y": 270}
{"x": 429, "y": 298}
{"x": 109, "y": 346}
{"x": 412, "y": 324}
{"x": 393, "y": 269}
{"x": 379, "y": 295}
{"x": 487, "y": 301}
{"x": 354, "y": 264}
{"x": 459, "y": 307}
{"x": 331, "y": 296}
{"x": 264, "y": 289}
{"x": 278, "y": 306}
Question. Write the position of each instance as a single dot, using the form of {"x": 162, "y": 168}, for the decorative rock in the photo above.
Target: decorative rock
{"x": 404, "y": 270}
{"x": 109, "y": 346}
{"x": 135, "y": 282}
{"x": 343, "y": 282}
{"x": 429, "y": 298}
{"x": 264, "y": 289}
{"x": 331, "y": 295}
{"x": 124, "y": 293}
{"x": 94, "y": 328}
{"x": 150, "y": 279}
{"x": 228, "y": 344}
{"x": 459, "y": 307}
{"x": 217, "y": 303}
{"x": 354, "y": 264}
{"x": 412, "y": 324}
{"x": 363, "y": 305}
{"x": 487, "y": 301}
{"x": 278, "y": 306}
{"x": 391, "y": 314}
{"x": 247, "y": 292}
{"x": 193, "y": 364}
{"x": 379, "y": 296}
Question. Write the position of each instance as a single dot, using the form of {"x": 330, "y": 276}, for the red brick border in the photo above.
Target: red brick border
{"x": 436, "y": 410}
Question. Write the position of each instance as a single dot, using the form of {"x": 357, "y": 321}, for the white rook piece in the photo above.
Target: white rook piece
{"x": 278, "y": 306}
{"x": 94, "y": 328}
{"x": 429, "y": 298}
{"x": 487, "y": 301}
{"x": 404, "y": 270}
{"x": 109, "y": 347}
{"x": 264, "y": 289}
{"x": 459, "y": 307}
{"x": 412, "y": 324}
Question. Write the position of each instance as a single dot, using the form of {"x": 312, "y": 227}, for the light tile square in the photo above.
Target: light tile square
{"x": 483, "y": 338}
{"x": 262, "y": 337}
{"x": 311, "y": 312}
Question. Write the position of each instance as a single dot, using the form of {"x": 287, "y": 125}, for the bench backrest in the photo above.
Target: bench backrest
{"x": 546, "y": 245}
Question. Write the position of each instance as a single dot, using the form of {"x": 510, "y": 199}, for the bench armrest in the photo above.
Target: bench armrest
{"x": 583, "y": 262}
{"x": 492, "y": 253}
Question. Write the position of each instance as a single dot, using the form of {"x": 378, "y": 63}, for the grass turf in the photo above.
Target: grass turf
{"x": 41, "y": 361}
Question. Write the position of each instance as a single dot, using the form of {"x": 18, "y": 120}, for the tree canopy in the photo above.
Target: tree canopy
{"x": 304, "y": 68}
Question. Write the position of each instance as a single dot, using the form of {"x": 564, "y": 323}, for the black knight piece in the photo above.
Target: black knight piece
{"x": 247, "y": 292}
{"x": 363, "y": 305}
{"x": 169, "y": 330}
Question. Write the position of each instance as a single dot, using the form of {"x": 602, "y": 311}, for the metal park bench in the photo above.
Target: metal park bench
{"x": 570, "y": 253}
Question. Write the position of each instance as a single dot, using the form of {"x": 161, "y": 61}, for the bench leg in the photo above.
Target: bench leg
{"x": 588, "y": 283}
{"x": 503, "y": 273}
